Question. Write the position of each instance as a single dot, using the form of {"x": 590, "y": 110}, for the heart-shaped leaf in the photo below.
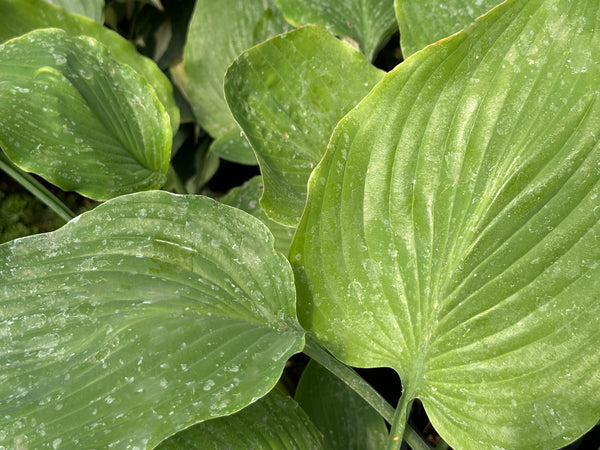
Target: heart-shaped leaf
{"x": 288, "y": 94}
{"x": 149, "y": 314}
{"x": 366, "y": 23}
{"x": 423, "y": 22}
{"x": 452, "y": 229}
{"x": 80, "y": 119}
{"x": 218, "y": 33}
{"x": 344, "y": 418}
{"x": 275, "y": 421}
{"x": 21, "y": 16}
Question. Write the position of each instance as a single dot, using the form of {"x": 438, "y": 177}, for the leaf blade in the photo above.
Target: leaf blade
{"x": 21, "y": 16}
{"x": 218, "y": 33}
{"x": 461, "y": 243}
{"x": 65, "y": 119}
{"x": 287, "y": 94}
{"x": 136, "y": 322}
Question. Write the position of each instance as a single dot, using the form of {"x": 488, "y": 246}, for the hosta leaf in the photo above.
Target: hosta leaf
{"x": 233, "y": 146}
{"x": 288, "y": 94}
{"x": 275, "y": 421}
{"x": 344, "y": 418}
{"x": 218, "y": 32}
{"x": 246, "y": 198}
{"x": 94, "y": 9}
{"x": 21, "y": 16}
{"x": 75, "y": 116}
{"x": 367, "y": 23}
{"x": 452, "y": 230}
{"x": 147, "y": 315}
{"x": 423, "y": 22}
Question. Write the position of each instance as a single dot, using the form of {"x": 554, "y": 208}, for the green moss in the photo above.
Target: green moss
{"x": 21, "y": 214}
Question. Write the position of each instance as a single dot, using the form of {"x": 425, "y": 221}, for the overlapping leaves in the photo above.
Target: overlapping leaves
{"x": 452, "y": 230}
{"x": 218, "y": 33}
{"x": 288, "y": 94}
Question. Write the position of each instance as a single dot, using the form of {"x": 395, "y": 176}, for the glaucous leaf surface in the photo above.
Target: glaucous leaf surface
{"x": 218, "y": 33}
{"x": 77, "y": 117}
{"x": 233, "y": 146}
{"x": 21, "y": 16}
{"x": 93, "y": 9}
{"x": 246, "y": 198}
{"x": 136, "y": 320}
{"x": 275, "y": 421}
{"x": 452, "y": 230}
{"x": 288, "y": 94}
{"x": 423, "y": 22}
{"x": 344, "y": 418}
{"x": 366, "y": 23}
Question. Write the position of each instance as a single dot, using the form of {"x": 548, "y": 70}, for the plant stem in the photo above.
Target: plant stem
{"x": 36, "y": 188}
{"x": 400, "y": 421}
{"x": 362, "y": 388}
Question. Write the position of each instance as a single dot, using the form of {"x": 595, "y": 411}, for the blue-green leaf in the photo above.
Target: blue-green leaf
{"x": 134, "y": 321}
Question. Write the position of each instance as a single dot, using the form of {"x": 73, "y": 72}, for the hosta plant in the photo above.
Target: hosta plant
{"x": 441, "y": 219}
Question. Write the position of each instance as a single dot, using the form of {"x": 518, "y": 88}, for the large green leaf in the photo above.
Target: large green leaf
{"x": 452, "y": 230}
{"x": 246, "y": 198}
{"x": 18, "y": 17}
{"x": 147, "y": 315}
{"x": 423, "y": 22}
{"x": 94, "y": 9}
{"x": 218, "y": 32}
{"x": 275, "y": 421}
{"x": 345, "y": 419}
{"x": 288, "y": 94}
{"x": 367, "y": 23}
{"x": 80, "y": 119}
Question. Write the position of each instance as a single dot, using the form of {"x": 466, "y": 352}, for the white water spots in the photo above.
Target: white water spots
{"x": 208, "y": 385}
{"x": 217, "y": 408}
{"x": 108, "y": 399}
{"x": 56, "y": 443}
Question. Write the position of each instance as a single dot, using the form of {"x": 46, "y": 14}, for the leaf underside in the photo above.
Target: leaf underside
{"x": 136, "y": 320}
{"x": 452, "y": 231}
